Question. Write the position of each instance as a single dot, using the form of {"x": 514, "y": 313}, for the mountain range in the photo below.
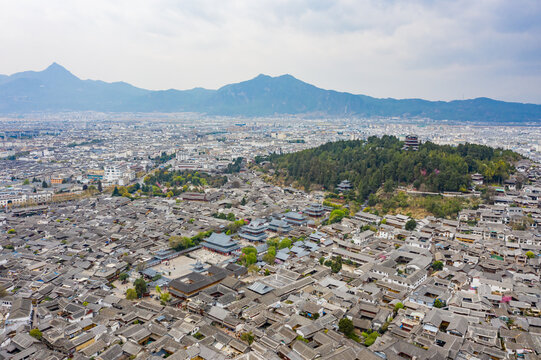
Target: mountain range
{"x": 56, "y": 89}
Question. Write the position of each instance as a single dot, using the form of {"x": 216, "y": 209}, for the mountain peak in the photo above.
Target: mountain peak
{"x": 284, "y": 76}
{"x": 56, "y": 72}
{"x": 262, "y": 76}
{"x": 287, "y": 76}
{"x": 56, "y": 68}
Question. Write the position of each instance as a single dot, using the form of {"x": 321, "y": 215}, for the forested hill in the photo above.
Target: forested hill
{"x": 381, "y": 161}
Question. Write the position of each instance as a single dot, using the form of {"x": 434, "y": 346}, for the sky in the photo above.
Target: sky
{"x": 436, "y": 50}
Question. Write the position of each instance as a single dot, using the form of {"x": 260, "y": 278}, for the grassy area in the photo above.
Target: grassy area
{"x": 421, "y": 206}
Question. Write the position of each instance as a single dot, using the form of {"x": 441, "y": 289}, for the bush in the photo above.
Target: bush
{"x": 300, "y": 338}
{"x": 247, "y": 337}
{"x": 36, "y": 333}
{"x": 123, "y": 277}
{"x": 198, "y": 336}
{"x": 371, "y": 338}
{"x": 439, "y": 303}
{"x": 131, "y": 294}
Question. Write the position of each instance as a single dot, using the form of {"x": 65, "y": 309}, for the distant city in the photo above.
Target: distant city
{"x": 69, "y": 150}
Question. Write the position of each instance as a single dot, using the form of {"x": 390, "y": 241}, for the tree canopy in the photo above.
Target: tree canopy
{"x": 345, "y": 326}
{"x": 140, "y": 287}
{"x": 177, "y": 181}
{"x": 131, "y": 294}
{"x": 380, "y": 160}
{"x": 411, "y": 224}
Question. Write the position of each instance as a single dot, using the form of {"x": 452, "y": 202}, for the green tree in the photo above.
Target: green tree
{"x": 165, "y": 297}
{"x": 179, "y": 243}
{"x": 336, "y": 267}
{"x": 140, "y": 287}
{"x": 345, "y": 326}
{"x": 251, "y": 258}
{"x": 388, "y": 187}
{"x": 269, "y": 258}
{"x": 411, "y": 224}
{"x": 398, "y": 306}
{"x": 26, "y": 182}
{"x": 247, "y": 337}
{"x": 123, "y": 277}
{"x": 36, "y": 333}
{"x": 328, "y": 262}
{"x": 131, "y": 294}
{"x": 437, "y": 265}
{"x": 235, "y": 226}
{"x": 530, "y": 254}
{"x": 371, "y": 338}
{"x": 116, "y": 192}
{"x": 336, "y": 216}
{"x": 439, "y": 303}
{"x": 44, "y": 184}
{"x": 249, "y": 250}
{"x": 285, "y": 243}
{"x": 321, "y": 260}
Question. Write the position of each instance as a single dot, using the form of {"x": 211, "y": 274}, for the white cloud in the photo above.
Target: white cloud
{"x": 430, "y": 49}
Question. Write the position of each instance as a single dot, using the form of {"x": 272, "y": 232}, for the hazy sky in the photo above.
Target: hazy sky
{"x": 429, "y": 49}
